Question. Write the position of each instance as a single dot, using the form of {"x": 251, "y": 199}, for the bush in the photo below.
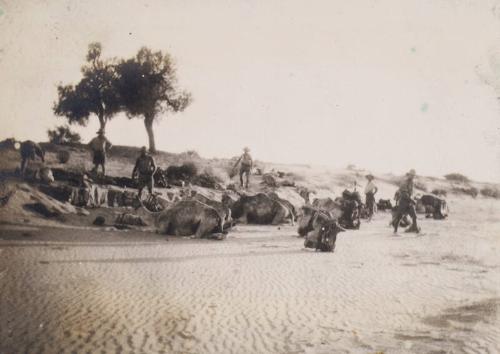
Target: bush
{"x": 192, "y": 154}
{"x": 439, "y": 192}
{"x": 218, "y": 173}
{"x": 230, "y": 168}
{"x": 63, "y": 135}
{"x": 472, "y": 191}
{"x": 420, "y": 186}
{"x": 296, "y": 177}
{"x": 8, "y": 144}
{"x": 184, "y": 172}
{"x": 490, "y": 192}
{"x": 63, "y": 156}
{"x": 206, "y": 180}
{"x": 456, "y": 177}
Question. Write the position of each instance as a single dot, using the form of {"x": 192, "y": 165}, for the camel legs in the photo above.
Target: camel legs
{"x": 205, "y": 228}
{"x": 279, "y": 217}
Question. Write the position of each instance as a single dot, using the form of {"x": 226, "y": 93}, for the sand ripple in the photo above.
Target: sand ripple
{"x": 257, "y": 292}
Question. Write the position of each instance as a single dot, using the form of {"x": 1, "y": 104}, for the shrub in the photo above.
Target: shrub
{"x": 456, "y": 177}
{"x": 296, "y": 177}
{"x": 63, "y": 156}
{"x": 63, "y": 135}
{"x": 184, "y": 172}
{"x": 8, "y": 144}
{"x": 192, "y": 154}
{"x": 420, "y": 186}
{"x": 439, "y": 192}
{"x": 207, "y": 181}
{"x": 218, "y": 173}
{"x": 490, "y": 192}
{"x": 230, "y": 168}
{"x": 472, "y": 191}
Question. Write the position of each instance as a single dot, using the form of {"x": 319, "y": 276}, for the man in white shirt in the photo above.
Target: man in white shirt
{"x": 370, "y": 191}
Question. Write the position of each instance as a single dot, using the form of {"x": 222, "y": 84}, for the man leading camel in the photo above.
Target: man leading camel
{"x": 406, "y": 204}
{"x": 246, "y": 166}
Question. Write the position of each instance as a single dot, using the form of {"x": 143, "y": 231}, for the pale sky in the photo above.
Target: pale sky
{"x": 387, "y": 85}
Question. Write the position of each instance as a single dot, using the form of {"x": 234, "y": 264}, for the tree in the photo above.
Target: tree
{"x": 96, "y": 92}
{"x": 457, "y": 177}
{"x": 147, "y": 85}
{"x": 63, "y": 135}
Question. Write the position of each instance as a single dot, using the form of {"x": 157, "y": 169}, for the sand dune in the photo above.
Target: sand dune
{"x": 257, "y": 292}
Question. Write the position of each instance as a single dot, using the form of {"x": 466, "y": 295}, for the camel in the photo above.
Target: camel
{"x": 191, "y": 218}
{"x": 261, "y": 209}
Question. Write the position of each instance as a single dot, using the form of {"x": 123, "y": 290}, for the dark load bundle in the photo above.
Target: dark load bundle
{"x": 433, "y": 206}
{"x": 384, "y": 205}
{"x": 319, "y": 228}
{"x": 351, "y": 209}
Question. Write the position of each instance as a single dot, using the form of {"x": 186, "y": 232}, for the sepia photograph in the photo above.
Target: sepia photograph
{"x": 250, "y": 176}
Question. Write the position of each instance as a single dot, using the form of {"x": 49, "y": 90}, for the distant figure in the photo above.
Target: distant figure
{"x": 99, "y": 146}
{"x": 406, "y": 205}
{"x": 29, "y": 151}
{"x": 370, "y": 190}
{"x": 246, "y": 166}
{"x": 144, "y": 169}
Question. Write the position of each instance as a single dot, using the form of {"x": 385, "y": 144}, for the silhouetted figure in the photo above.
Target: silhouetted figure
{"x": 406, "y": 205}
{"x": 29, "y": 151}
{"x": 99, "y": 146}
{"x": 245, "y": 167}
{"x": 144, "y": 169}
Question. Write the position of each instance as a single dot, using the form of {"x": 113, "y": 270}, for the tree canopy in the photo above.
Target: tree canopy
{"x": 96, "y": 92}
{"x": 63, "y": 135}
{"x": 144, "y": 86}
{"x": 147, "y": 86}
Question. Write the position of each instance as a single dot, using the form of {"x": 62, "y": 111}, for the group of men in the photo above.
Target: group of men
{"x": 145, "y": 168}
{"x": 405, "y": 205}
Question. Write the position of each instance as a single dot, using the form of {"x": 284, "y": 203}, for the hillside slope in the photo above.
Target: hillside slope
{"x": 323, "y": 181}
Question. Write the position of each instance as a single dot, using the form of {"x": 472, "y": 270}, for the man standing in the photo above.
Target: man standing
{"x": 29, "y": 151}
{"x": 144, "y": 169}
{"x": 246, "y": 166}
{"x": 406, "y": 204}
{"x": 99, "y": 146}
{"x": 370, "y": 191}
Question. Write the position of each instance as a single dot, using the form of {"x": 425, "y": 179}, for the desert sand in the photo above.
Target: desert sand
{"x": 259, "y": 291}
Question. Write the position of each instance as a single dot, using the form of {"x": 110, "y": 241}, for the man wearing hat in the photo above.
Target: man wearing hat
{"x": 246, "y": 166}
{"x": 99, "y": 146}
{"x": 406, "y": 204}
{"x": 144, "y": 169}
{"x": 370, "y": 191}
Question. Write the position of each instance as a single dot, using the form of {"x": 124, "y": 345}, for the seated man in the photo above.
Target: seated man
{"x": 144, "y": 169}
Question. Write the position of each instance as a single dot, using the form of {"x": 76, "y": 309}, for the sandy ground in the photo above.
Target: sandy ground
{"x": 258, "y": 291}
